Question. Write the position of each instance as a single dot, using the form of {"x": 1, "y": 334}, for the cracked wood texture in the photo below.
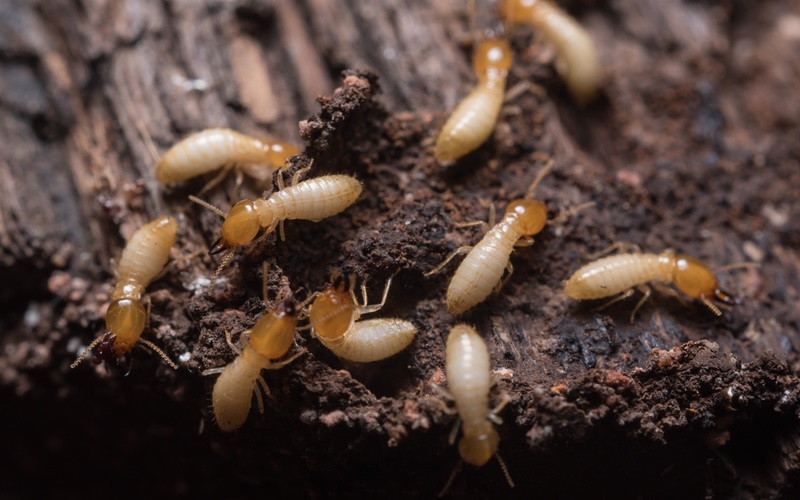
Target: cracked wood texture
{"x": 692, "y": 145}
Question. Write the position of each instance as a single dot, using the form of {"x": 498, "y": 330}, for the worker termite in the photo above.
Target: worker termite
{"x": 334, "y": 317}
{"x": 577, "y": 61}
{"x": 481, "y": 271}
{"x": 469, "y": 378}
{"x": 214, "y": 148}
{"x": 143, "y": 259}
{"x": 270, "y": 338}
{"x": 314, "y": 199}
{"x": 622, "y": 274}
{"x": 474, "y": 119}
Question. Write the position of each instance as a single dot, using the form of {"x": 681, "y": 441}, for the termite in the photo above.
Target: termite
{"x": 314, "y": 199}
{"x": 622, "y": 274}
{"x": 577, "y": 61}
{"x": 469, "y": 378}
{"x": 481, "y": 272}
{"x": 143, "y": 259}
{"x": 334, "y": 318}
{"x": 474, "y": 119}
{"x": 270, "y": 338}
{"x": 214, "y": 148}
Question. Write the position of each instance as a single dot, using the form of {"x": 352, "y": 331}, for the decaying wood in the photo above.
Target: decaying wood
{"x": 692, "y": 146}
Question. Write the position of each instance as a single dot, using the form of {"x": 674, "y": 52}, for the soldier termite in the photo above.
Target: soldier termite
{"x": 313, "y": 199}
{"x": 481, "y": 271}
{"x": 334, "y": 317}
{"x": 473, "y": 121}
{"x": 577, "y": 61}
{"x": 214, "y": 148}
{"x": 469, "y": 378}
{"x": 143, "y": 259}
{"x": 622, "y": 274}
{"x": 270, "y": 338}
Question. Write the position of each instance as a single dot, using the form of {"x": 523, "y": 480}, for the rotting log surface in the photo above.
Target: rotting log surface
{"x": 692, "y": 146}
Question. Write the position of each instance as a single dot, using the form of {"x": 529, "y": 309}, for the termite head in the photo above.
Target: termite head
{"x": 331, "y": 313}
{"x": 492, "y": 55}
{"x": 273, "y": 333}
{"x": 529, "y": 215}
{"x": 278, "y": 152}
{"x": 479, "y": 449}
{"x": 696, "y": 280}
{"x": 240, "y": 227}
{"x": 125, "y": 322}
{"x": 517, "y": 11}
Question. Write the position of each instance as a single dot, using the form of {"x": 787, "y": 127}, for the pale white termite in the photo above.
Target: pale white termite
{"x": 313, "y": 199}
{"x": 469, "y": 379}
{"x": 270, "y": 338}
{"x": 622, "y": 274}
{"x": 214, "y": 148}
{"x": 474, "y": 119}
{"x": 577, "y": 61}
{"x": 143, "y": 259}
{"x": 481, "y": 271}
{"x": 333, "y": 316}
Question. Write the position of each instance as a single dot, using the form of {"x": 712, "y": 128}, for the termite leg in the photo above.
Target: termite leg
{"x": 493, "y": 415}
{"x": 525, "y": 241}
{"x": 454, "y": 431}
{"x": 564, "y": 216}
{"x": 213, "y": 371}
{"x": 366, "y": 308}
{"x": 234, "y": 347}
{"x": 646, "y": 292}
{"x": 301, "y": 172}
{"x": 502, "y": 283}
{"x": 453, "y": 254}
{"x": 619, "y": 246}
{"x": 622, "y": 296}
{"x": 663, "y": 289}
{"x": 216, "y": 180}
{"x": 274, "y": 365}
{"x": 524, "y": 86}
{"x": 259, "y": 398}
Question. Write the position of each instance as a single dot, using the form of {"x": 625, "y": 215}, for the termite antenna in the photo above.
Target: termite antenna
{"x": 542, "y": 173}
{"x": 86, "y": 352}
{"x": 738, "y": 265}
{"x": 505, "y": 469}
{"x": 159, "y": 352}
{"x": 224, "y": 262}
{"x": 451, "y": 479}
{"x": 207, "y": 205}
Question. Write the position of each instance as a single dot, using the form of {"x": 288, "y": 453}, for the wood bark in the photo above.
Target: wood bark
{"x": 692, "y": 145}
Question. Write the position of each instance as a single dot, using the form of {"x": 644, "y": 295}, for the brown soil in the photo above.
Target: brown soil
{"x": 692, "y": 146}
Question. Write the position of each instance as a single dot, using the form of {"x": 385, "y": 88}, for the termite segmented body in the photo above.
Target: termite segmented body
{"x": 474, "y": 119}
{"x": 143, "y": 259}
{"x": 333, "y": 316}
{"x": 621, "y": 274}
{"x": 210, "y": 149}
{"x": 313, "y": 199}
{"x": 270, "y": 338}
{"x": 372, "y": 340}
{"x": 469, "y": 378}
{"x": 577, "y": 62}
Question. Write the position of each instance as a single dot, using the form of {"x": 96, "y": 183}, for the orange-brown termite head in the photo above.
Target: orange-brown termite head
{"x": 332, "y": 312}
{"x": 529, "y": 215}
{"x": 492, "y": 57}
{"x": 694, "y": 279}
{"x": 273, "y": 333}
{"x": 241, "y": 226}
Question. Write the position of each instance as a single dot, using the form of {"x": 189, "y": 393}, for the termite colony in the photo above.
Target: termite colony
{"x": 332, "y": 315}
